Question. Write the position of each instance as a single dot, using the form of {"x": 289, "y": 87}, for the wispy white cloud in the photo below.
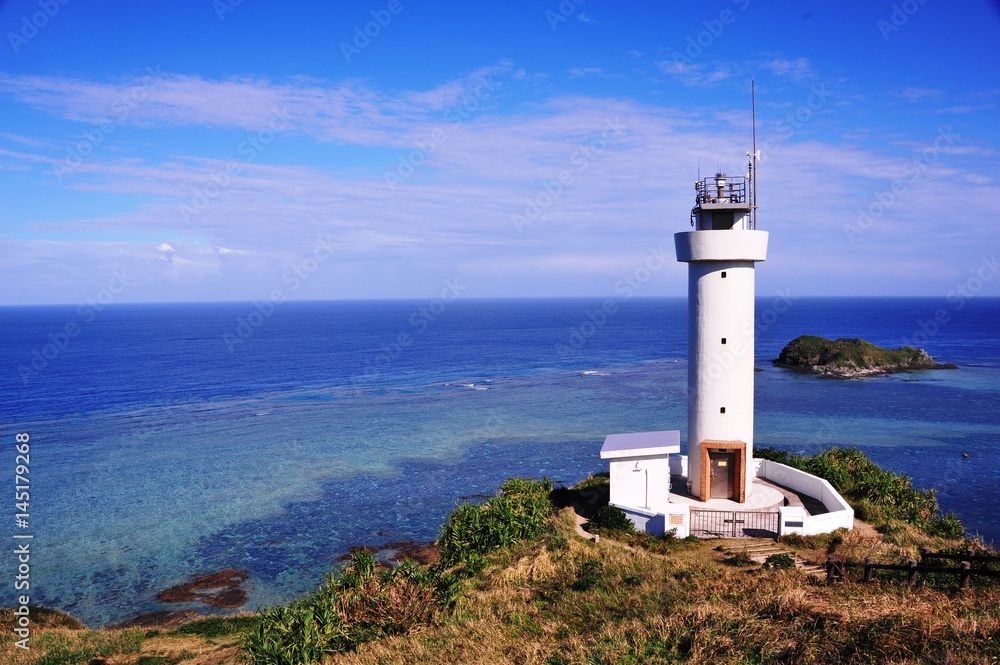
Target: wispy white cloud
{"x": 602, "y": 202}
{"x": 797, "y": 69}
{"x": 696, "y": 74}
{"x": 959, "y": 110}
{"x": 347, "y": 112}
{"x": 914, "y": 94}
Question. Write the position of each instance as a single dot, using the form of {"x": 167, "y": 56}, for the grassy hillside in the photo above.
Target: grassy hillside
{"x": 522, "y": 586}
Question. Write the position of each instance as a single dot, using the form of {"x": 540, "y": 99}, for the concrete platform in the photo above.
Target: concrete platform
{"x": 763, "y": 497}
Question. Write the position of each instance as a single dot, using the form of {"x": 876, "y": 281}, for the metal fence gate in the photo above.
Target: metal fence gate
{"x": 734, "y": 524}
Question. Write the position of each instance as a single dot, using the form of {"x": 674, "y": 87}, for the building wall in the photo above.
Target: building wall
{"x": 641, "y": 482}
{"x": 720, "y": 375}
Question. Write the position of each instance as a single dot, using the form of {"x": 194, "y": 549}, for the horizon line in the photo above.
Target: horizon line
{"x": 469, "y": 299}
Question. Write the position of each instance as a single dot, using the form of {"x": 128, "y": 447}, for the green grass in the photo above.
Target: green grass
{"x": 61, "y": 649}
{"x": 212, "y": 627}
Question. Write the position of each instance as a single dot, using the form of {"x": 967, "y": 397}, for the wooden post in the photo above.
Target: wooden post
{"x": 924, "y": 551}
{"x": 869, "y": 569}
{"x": 966, "y": 574}
{"x": 971, "y": 554}
{"x": 913, "y": 572}
{"x": 830, "y": 568}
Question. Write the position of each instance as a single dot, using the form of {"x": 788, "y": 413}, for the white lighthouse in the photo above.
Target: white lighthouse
{"x": 657, "y": 488}
{"x": 721, "y": 252}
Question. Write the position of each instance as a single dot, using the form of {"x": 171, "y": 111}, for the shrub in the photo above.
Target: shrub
{"x": 797, "y": 540}
{"x": 520, "y": 510}
{"x": 946, "y": 526}
{"x": 362, "y": 605}
{"x": 612, "y": 519}
{"x": 586, "y": 497}
{"x": 779, "y": 561}
{"x": 740, "y": 559}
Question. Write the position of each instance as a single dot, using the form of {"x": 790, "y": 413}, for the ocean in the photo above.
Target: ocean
{"x": 174, "y": 440}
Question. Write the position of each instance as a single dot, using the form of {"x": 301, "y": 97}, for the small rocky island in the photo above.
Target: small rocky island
{"x": 851, "y": 358}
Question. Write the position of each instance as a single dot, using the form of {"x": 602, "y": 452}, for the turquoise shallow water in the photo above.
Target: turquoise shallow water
{"x": 158, "y": 454}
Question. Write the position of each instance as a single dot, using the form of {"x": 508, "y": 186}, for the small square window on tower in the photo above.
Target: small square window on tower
{"x": 722, "y": 410}
{"x": 723, "y": 274}
{"x": 723, "y": 340}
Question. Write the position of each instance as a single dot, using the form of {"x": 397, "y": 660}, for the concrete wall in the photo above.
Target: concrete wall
{"x": 678, "y": 465}
{"x": 841, "y": 514}
{"x": 660, "y": 515}
{"x": 641, "y": 482}
{"x": 677, "y": 517}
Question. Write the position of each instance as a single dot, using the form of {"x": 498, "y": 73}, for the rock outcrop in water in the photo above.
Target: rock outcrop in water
{"x": 221, "y": 589}
{"x": 851, "y": 358}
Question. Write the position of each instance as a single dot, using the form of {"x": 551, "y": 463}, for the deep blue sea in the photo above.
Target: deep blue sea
{"x": 171, "y": 440}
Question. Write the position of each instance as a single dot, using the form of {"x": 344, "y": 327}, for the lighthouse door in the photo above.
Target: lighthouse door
{"x": 722, "y": 474}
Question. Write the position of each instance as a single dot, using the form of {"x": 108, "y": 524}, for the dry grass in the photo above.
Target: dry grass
{"x": 688, "y": 606}
{"x": 58, "y": 639}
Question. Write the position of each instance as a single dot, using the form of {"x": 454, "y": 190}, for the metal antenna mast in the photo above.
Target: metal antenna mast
{"x": 755, "y": 156}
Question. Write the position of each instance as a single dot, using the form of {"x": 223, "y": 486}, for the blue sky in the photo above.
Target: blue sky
{"x": 227, "y": 150}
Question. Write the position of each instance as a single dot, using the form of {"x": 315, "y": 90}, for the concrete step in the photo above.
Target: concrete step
{"x": 761, "y": 551}
{"x": 753, "y": 545}
{"x": 761, "y": 548}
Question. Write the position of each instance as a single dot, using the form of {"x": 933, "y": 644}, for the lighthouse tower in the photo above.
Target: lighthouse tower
{"x": 721, "y": 252}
